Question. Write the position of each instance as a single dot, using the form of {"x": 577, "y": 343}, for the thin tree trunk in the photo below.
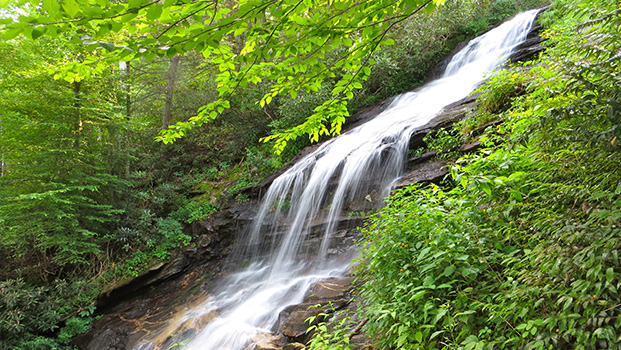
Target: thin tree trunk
{"x": 2, "y": 161}
{"x": 167, "y": 118}
{"x": 126, "y": 87}
{"x": 125, "y": 67}
{"x": 77, "y": 115}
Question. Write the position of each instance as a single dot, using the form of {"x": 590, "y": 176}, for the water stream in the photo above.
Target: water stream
{"x": 365, "y": 160}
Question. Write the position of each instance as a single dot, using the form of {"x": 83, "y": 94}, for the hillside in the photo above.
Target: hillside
{"x": 520, "y": 243}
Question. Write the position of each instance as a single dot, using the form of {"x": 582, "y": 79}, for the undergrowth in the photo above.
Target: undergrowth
{"x": 523, "y": 253}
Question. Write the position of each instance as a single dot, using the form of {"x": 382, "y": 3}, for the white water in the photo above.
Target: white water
{"x": 248, "y": 302}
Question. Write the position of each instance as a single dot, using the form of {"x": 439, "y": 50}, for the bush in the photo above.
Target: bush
{"x": 27, "y": 312}
{"x": 524, "y": 252}
{"x": 444, "y": 142}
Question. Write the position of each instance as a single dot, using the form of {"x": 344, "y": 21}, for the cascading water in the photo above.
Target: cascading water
{"x": 367, "y": 158}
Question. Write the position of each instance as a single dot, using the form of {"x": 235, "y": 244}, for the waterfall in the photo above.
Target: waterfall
{"x": 348, "y": 168}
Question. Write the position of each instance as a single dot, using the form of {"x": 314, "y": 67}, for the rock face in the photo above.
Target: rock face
{"x": 324, "y": 297}
{"x": 424, "y": 173}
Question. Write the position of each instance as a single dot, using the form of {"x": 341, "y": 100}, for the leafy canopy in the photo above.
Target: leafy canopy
{"x": 284, "y": 42}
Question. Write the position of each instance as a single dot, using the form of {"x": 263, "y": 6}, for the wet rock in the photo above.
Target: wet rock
{"x": 193, "y": 325}
{"x": 448, "y": 116}
{"x": 530, "y": 47}
{"x": 427, "y": 156}
{"x": 330, "y": 289}
{"x": 481, "y": 129}
{"x": 324, "y": 297}
{"x": 292, "y": 320}
{"x": 470, "y": 147}
{"x": 110, "y": 339}
{"x": 361, "y": 342}
{"x": 158, "y": 273}
{"x": 146, "y": 346}
{"x": 294, "y": 346}
{"x": 266, "y": 341}
{"x": 426, "y": 172}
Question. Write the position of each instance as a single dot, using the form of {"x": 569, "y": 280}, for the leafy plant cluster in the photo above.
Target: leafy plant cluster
{"x": 524, "y": 251}
{"x": 501, "y": 89}
{"x": 444, "y": 142}
{"x": 330, "y": 330}
{"x": 27, "y": 312}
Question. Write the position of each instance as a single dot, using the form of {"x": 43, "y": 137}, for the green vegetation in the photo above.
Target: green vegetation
{"x": 251, "y": 42}
{"x": 333, "y": 336}
{"x": 444, "y": 142}
{"x": 521, "y": 249}
{"x": 88, "y": 200}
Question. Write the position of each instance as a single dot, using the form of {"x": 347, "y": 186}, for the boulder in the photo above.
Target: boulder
{"x": 267, "y": 341}
{"x": 156, "y": 274}
{"x": 433, "y": 172}
{"x": 292, "y": 320}
{"x": 330, "y": 289}
{"x": 110, "y": 339}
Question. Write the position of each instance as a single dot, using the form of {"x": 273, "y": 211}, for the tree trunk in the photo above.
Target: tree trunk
{"x": 2, "y": 162}
{"x": 77, "y": 115}
{"x": 167, "y": 119}
{"x": 125, "y": 67}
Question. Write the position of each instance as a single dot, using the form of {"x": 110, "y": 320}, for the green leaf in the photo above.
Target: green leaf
{"x": 154, "y": 12}
{"x": 449, "y": 270}
{"x": 108, "y": 46}
{"x": 49, "y": 6}
{"x": 37, "y": 32}
{"x": 71, "y": 7}
{"x": 485, "y": 187}
{"x": 340, "y": 5}
{"x": 610, "y": 274}
{"x": 134, "y": 3}
{"x": 12, "y": 33}
{"x": 418, "y": 337}
{"x": 412, "y": 3}
{"x": 417, "y": 295}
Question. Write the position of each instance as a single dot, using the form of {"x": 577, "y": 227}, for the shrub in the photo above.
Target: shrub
{"x": 523, "y": 253}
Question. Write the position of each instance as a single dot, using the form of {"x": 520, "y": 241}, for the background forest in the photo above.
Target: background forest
{"x": 88, "y": 199}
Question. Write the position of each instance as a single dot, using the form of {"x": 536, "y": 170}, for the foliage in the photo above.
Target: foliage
{"x": 497, "y": 96}
{"x": 500, "y": 90}
{"x": 74, "y": 326}
{"x": 506, "y": 262}
{"x": 444, "y": 142}
{"x": 425, "y": 40}
{"x": 26, "y": 310}
{"x": 283, "y": 42}
{"x": 68, "y": 199}
{"x": 55, "y": 145}
{"x": 523, "y": 253}
{"x": 86, "y": 200}
{"x": 329, "y": 335}
{"x": 195, "y": 210}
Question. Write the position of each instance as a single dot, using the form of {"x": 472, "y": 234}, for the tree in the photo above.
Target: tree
{"x": 167, "y": 118}
{"x": 55, "y": 150}
{"x": 285, "y": 42}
